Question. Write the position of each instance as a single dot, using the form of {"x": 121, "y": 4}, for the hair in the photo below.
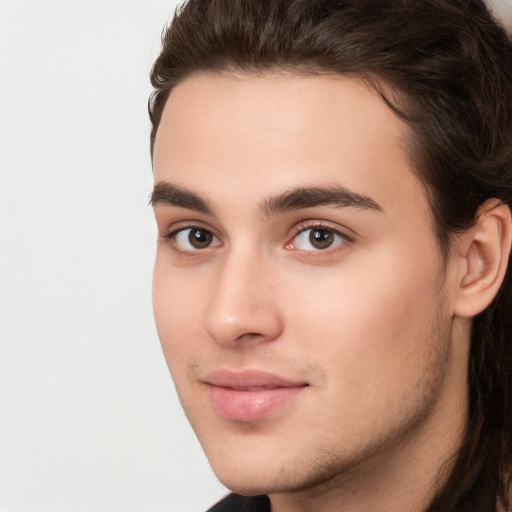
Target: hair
{"x": 448, "y": 65}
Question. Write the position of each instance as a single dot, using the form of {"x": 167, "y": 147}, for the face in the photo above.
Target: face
{"x": 298, "y": 287}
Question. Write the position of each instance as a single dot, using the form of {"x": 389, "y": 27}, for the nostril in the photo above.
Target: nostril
{"x": 250, "y": 336}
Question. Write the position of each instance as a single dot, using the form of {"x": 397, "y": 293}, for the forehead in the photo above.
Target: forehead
{"x": 276, "y": 131}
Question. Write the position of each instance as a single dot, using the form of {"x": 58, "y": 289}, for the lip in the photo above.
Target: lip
{"x": 250, "y": 395}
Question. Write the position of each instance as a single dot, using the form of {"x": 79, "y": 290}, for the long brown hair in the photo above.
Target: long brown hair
{"x": 449, "y": 67}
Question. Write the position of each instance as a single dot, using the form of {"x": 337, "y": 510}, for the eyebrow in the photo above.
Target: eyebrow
{"x": 311, "y": 197}
{"x": 167, "y": 194}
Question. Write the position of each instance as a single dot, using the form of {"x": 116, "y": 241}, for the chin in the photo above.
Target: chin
{"x": 253, "y": 482}
{"x": 270, "y": 473}
{"x": 247, "y": 474}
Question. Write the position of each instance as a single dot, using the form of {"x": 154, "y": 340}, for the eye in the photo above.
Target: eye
{"x": 317, "y": 238}
{"x": 194, "y": 239}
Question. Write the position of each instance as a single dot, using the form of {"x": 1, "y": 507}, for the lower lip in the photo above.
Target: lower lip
{"x": 250, "y": 406}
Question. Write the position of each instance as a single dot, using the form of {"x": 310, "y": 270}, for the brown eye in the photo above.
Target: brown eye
{"x": 317, "y": 239}
{"x": 321, "y": 238}
{"x": 194, "y": 239}
{"x": 199, "y": 238}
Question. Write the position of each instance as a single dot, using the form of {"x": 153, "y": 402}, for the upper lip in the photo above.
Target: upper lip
{"x": 254, "y": 379}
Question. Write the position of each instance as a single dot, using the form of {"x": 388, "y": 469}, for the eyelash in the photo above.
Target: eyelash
{"x": 171, "y": 237}
{"x": 298, "y": 230}
{"x": 320, "y": 226}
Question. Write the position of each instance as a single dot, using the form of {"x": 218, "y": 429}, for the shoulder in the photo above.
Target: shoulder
{"x": 238, "y": 503}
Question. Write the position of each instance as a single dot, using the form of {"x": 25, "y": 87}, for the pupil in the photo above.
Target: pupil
{"x": 199, "y": 238}
{"x": 321, "y": 238}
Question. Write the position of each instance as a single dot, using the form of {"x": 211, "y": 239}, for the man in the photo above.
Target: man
{"x": 333, "y": 182}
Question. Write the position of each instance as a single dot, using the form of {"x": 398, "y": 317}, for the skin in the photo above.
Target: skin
{"x": 369, "y": 323}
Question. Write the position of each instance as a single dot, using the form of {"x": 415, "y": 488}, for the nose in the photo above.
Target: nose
{"x": 244, "y": 309}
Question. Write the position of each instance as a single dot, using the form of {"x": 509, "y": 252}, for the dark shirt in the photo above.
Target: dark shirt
{"x": 479, "y": 498}
{"x": 237, "y": 503}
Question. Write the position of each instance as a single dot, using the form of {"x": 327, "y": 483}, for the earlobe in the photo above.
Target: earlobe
{"x": 483, "y": 263}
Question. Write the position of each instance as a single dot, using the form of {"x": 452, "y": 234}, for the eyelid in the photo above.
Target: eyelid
{"x": 176, "y": 227}
{"x": 321, "y": 225}
{"x": 179, "y": 227}
{"x": 340, "y": 231}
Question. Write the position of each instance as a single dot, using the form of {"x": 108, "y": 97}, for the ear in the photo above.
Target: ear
{"x": 483, "y": 257}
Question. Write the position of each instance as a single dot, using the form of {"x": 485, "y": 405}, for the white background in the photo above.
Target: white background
{"x": 89, "y": 419}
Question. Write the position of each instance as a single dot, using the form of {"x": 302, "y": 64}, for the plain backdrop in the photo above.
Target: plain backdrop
{"x": 89, "y": 419}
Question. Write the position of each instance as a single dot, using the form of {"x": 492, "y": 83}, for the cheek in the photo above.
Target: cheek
{"x": 177, "y": 308}
{"x": 373, "y": 319}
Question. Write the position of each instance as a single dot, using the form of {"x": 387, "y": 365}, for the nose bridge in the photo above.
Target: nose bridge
{"x": 242, "y": 306}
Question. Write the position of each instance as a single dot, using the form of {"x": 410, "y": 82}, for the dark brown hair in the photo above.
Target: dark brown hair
{"x": 449, "y": 67}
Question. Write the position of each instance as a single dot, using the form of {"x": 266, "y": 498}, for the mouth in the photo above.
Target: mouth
{"x": 250, "y": 395}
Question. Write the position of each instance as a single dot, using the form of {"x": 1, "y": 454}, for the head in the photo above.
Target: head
{"x": 397, "y": 112}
